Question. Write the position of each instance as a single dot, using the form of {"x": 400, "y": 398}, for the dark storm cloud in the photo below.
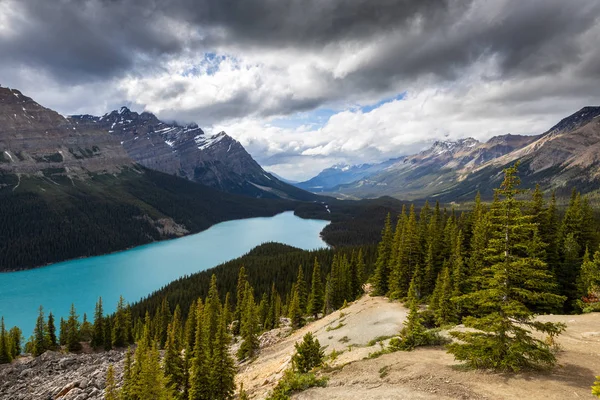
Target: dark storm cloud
{"x": 78, "y": 41}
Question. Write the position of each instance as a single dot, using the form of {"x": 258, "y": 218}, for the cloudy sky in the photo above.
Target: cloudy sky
{"x": 305, "y": 84}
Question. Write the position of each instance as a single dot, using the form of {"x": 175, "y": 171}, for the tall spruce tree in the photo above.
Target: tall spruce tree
{"x": 249, "y": 328}
{"x": 15, "y": 334}
{"x": 199, "y": 370}
{"x": 316, "y": 297}
{"x": 98, "y": 328}
{"x": 294, "y": 312}
{"x": 174, "y": 364}
{"x": 73, "y": 341}
{"x": 302, "y": 290}
{"x": 119, "y": 329}
{"x": 513, "y": 277}
{"x": 62, "y": 335}
{"x": 39, "y": 334}
{"x": 222, "y": 366}
{"x": 111, "y": 392}
{"x": 384, "y": 253}
{"x": 5, "y": 351}
{"x": 589, "y": 276}
{"x": 240, "y": 292}
{"x": 52, "y": 343}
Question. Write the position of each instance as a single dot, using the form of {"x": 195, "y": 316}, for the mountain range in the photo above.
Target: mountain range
{"x": 564, "y": 157}
{"x": 84, "y": 185}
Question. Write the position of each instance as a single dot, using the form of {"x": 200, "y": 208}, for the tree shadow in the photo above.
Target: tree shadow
{"x": 569, "y": 374}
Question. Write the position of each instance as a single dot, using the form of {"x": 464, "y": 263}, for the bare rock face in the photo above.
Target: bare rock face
{"x": 217, "y": 160}
{"x": 36, "y": 140}
{"x": 55, "y": 375}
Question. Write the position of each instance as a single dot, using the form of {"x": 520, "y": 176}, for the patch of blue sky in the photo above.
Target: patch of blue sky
{"x": 316, "y": 119}
{"x": 209, "y": 65}
{"x": 370, "y": 107}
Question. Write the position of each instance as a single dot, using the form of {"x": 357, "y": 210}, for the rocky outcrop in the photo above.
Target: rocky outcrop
{"x": 36, "y": 140}
{"x": 59, "y": 376}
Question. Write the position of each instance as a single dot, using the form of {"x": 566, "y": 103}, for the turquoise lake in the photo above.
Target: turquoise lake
{"x": 137, "y": 272}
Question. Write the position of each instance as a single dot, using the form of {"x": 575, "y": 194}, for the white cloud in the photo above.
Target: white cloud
{"x": 473, "y": 106}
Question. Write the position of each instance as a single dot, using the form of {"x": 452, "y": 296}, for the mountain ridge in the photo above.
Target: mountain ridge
{"x": 570, "y": 148}
{"x": 218, "y": 160}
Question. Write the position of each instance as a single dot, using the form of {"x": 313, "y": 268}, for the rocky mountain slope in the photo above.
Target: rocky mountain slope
{"x": 217, "y": 161}
{"x": 36, "y": 140}
{"x": 565, "y": 156}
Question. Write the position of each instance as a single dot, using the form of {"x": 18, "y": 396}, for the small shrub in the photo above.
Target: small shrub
{"x": 293, "y": 382}
{"x": 333, "y": 328}
{"x": 345, "y": 339}
{"x": 373, "y": 342}
{"x": 384, "y": 371}
{"x": 334, "y": 354}
{"x": 309, "y": 354}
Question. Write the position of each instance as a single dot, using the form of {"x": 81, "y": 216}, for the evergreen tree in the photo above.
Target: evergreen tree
{"x": 302, "y": 290}
{"x": 502, "y": 339}
{"x": 162, "y": 323}
{"x": 249, "y": 326}
{"x": 263, "y": 309}
{"x": 240, "y": 292}
{"x": 15, "y": 336}
{"x": 5, "y": 352}
{"x": 360, "y": 273}
{"x": 434, "y": 300}
{"x": 551, "y": 236}
{"x": 151, "y": 379}
{"x": 86, "y": 330}
{"x": 199, "y": 371}
{"x": 294, "y": 312}
{"x": 316, "y": 297}
{"x": 589, "y": 275}
{"x": 459, "y": 273}
{"x": 174, "y": 362}
{"x": 119, "y": 330}
{"x": 569, "y": 269}
{"x": 309, "y": 354}
{"x": 328, "y": 300}
{"x": 413, "y": 334}
{"x": 62, "y": 332}
{"x": 111, "y": 392}
{"x": 98, "y": 328}
{"x": 73, "y": 343}
{"x": 39, "y": 335}
{"x": 52, "y": 343}
{"x": 446, "y": 312}
{"x": 222, "y": 370}
{"x": 128, "y": 388}
{"x": 274, "y": 311}
{"x": 384, "y": 250}
{"x": 108, "y": 333}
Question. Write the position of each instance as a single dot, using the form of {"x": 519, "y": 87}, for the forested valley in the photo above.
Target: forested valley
{"x": 492, "y": 268}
